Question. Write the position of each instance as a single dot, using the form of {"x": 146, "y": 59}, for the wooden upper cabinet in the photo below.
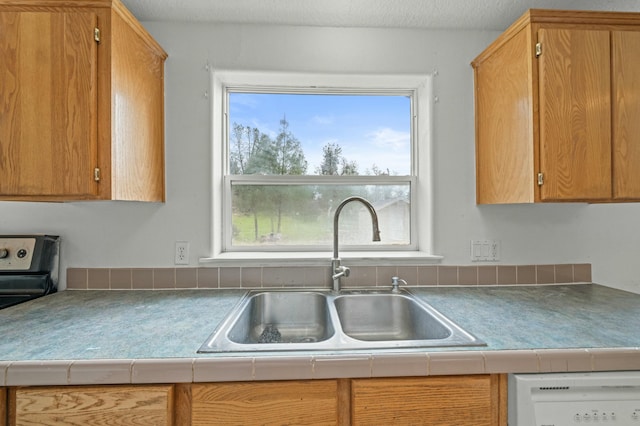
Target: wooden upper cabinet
{"x": 626, "y": 114}
{"x": 504, "y": 144}
{"x": 575, "y": 114}
{"x": 557, "y": 98}
{"x": 81, "y": 103}
{"x": 48, "y": 130}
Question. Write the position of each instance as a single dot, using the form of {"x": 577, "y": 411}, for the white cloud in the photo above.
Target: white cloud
{"x": 249, "y": 101}
{"x": 322, "y": 120}
{"x": 385, "y": 156}
{"x": 389, "y": 139}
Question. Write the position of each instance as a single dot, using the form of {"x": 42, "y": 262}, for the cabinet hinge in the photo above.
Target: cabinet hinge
{"x": 96, "y": 34}
{"x": 540, "y": 179}
{"x": 96, "y": 174}
{"x": 538, "y": 49}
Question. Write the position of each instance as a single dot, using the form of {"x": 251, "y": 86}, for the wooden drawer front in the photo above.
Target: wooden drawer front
{"x": 265, "y": 403}
{"x": 442, "y": 401}
{"x": 93, "y": 405}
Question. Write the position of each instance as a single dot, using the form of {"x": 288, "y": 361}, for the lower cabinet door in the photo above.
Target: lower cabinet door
{"x": 476, "y": 400}
{"x": 309, "y": 402}
{"x": 3, "y": 407}
{"x": 92, "y": 405}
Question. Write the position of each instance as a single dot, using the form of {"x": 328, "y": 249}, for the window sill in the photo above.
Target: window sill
{"x": 355, "y": 258}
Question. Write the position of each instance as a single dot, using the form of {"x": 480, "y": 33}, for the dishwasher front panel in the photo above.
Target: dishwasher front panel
{"x": 571, "y": 399}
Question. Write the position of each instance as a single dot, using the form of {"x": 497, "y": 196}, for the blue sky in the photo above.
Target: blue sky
{"x": 371, "y": 129}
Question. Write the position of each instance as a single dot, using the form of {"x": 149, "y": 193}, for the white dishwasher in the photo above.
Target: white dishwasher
{"x": 570, "y": 399}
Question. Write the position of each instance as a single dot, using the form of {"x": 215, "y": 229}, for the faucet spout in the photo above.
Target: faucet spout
{"x": 338, "y": 271}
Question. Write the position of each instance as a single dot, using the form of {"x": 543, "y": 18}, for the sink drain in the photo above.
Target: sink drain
{"x": 270, "y": 334}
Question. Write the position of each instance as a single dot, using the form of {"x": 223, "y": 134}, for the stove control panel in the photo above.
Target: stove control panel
{"x": 16, "y": 254}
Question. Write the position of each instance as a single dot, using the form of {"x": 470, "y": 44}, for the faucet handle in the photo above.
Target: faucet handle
{"x": 341, "y": 271}
{"x": 345, "y": 270}
{"x": 395, "y": 284}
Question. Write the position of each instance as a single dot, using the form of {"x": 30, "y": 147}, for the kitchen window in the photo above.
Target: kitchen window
{"x": 288, "y": 148}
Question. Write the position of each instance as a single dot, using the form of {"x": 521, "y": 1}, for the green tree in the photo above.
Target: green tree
{"x": 334, "y": 163}
{"x": 253, "y": 152}
{"x": 249, "y": 149}
{"x": 349, "y": 168}
{"x": 377, "y": 171}
{"x": 287, "y": 159}
{"x": 331, "y": 155}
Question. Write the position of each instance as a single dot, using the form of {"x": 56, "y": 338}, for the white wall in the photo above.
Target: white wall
{"x": 118, "y": 234}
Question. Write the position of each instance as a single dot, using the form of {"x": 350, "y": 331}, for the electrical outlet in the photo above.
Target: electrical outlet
{"x": 494, "y": 250}
{"x": 182, "y": 253}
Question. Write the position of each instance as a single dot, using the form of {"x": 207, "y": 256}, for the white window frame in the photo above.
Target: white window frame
{"x": 421, "y": 86}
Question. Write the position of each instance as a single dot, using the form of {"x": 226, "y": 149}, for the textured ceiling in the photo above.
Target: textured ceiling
{"x": 450, "y": 14}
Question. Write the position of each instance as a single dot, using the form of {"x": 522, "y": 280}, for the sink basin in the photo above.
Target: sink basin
{"x": 323, "y": 320}
{"x": 274, "y": 320}
{"x": 382, "y": 317}
{"x": 283, "y": 317}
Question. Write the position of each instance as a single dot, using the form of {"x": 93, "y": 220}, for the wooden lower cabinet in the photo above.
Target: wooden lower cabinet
{"x": 92, "y": 405}
{"x": 477, "y": 400}
{"x": 308, "y": 402}
{"x": 3, "y": 407}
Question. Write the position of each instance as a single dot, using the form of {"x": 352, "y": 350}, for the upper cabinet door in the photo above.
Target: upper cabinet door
{"x": 48, "y": 102}
{"x": 626, "y": 114}
{"x": 575, "y": 114}
{"x": 505, "y": 164}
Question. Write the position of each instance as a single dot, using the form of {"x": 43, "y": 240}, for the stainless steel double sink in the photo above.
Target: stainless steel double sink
{"x": 324, "y": 320}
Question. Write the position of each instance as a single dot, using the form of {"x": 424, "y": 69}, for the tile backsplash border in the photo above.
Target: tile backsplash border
{"x": 318, "y": 277}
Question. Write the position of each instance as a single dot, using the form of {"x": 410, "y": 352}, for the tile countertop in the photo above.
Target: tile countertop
{"x": 94, "y": 337}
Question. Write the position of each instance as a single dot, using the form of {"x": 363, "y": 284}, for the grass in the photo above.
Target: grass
{"x": 294, "y": 230}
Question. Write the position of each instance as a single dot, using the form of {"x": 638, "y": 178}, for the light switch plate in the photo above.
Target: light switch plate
{"x": 485, "y": 250}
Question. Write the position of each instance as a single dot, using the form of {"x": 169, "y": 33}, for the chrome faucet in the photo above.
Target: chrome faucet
{"x": 337, "y": 270}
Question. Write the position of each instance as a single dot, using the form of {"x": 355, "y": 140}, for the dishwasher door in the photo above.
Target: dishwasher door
{"x": 570, "y": 399}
